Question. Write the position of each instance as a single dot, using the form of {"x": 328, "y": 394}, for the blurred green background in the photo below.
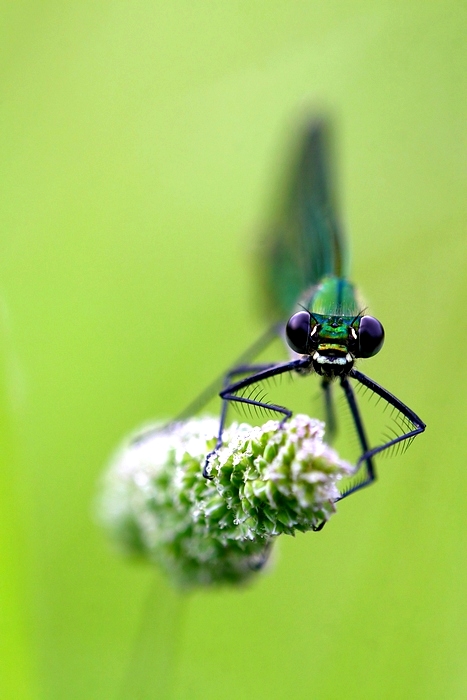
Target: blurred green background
{"x": 140, "y": 148}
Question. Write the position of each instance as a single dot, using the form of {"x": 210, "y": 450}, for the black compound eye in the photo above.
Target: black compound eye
{"x": 298, "y": 330}
{"x": 370, "y": 336}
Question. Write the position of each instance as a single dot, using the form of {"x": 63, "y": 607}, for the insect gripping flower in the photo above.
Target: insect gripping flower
{"x": 266, "y": 481}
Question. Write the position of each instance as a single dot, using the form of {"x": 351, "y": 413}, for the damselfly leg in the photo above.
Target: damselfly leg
{"x": 235, "y": 392}
{"x": 257, "y": 374}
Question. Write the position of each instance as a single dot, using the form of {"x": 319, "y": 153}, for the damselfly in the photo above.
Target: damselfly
{"x": 327, "y": 329}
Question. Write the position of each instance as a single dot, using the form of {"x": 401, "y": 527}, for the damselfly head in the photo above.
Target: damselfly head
{"x": 333, "y": 342}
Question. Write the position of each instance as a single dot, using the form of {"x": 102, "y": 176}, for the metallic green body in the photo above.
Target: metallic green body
{"x": 334, "y": 296}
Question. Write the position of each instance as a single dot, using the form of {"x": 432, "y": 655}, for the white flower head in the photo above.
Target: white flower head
{"x": 265, "y": 481}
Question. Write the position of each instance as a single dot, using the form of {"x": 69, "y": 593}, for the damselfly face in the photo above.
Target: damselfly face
{"x": 334, "y": 342}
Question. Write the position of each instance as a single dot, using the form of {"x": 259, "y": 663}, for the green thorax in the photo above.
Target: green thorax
{"x": 333, "y": 297}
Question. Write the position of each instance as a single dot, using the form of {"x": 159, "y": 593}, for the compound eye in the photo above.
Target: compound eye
{"x": 370, "y": 336}
{"x": 298, "y": 330}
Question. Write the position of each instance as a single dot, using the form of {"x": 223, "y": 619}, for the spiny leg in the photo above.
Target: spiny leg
{"x": 411, "y": 416}
{"x": 229, "y": 393}
{"x": 330, "y": 415}
{"x": 366, "y": 454}
{"x": 242, "y": 369}
{"x": 245, "y": 358}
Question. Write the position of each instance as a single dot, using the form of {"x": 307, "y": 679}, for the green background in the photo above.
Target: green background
{"x": 140, "y": 148}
